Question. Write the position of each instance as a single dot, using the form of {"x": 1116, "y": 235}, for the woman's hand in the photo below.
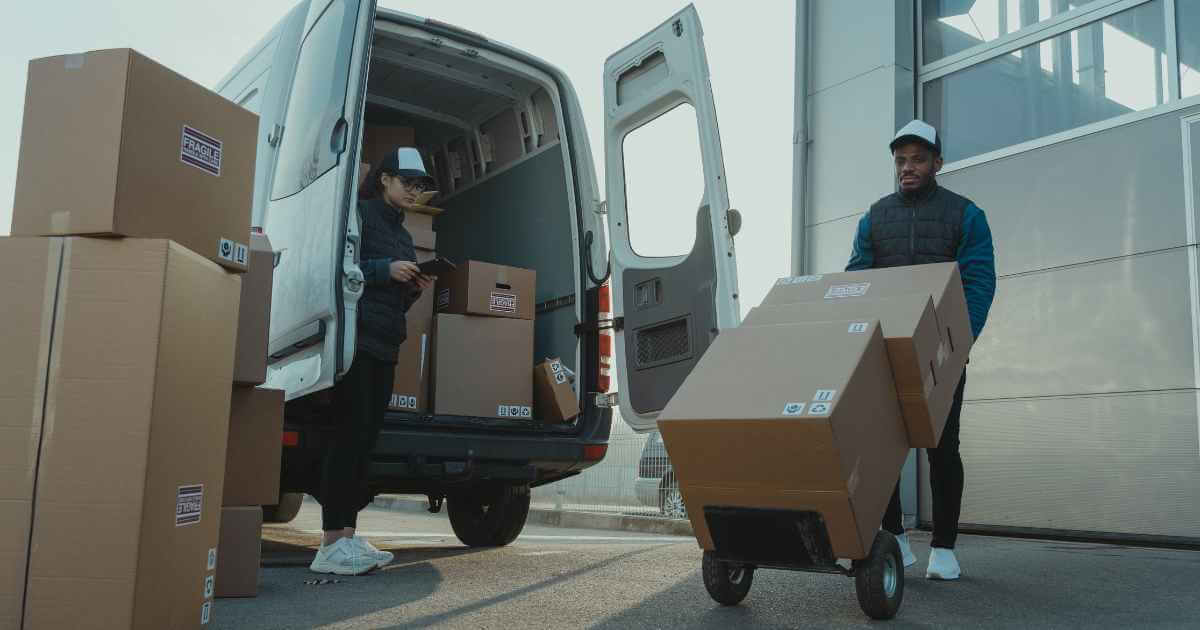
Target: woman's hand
{"x": 424, "y": 282}
{"x": 404, "y": 271}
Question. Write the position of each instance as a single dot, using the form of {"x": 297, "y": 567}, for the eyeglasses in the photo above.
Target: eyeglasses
{"x": 418, "y": 185}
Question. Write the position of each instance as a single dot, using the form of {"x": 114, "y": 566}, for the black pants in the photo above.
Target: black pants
{"x": 360, "y": 398}
{"x": 945, "y": 480}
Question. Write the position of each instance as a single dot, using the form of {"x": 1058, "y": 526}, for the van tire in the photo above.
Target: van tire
{"x": 286, "y": 510}
{"x": 491, "y": 516}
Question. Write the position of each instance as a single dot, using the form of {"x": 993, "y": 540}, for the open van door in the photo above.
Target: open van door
{"x": 674, "y": 274}
{"x": 311, "y": 218}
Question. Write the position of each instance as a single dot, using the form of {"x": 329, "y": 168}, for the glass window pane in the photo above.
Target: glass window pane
{"x": 1187, "y": 24}
{"x": 318, "y": 97}
{"x": 1104, "y": 69}
{"x": 952, "y": 26}
{"x": 664, "y": 183}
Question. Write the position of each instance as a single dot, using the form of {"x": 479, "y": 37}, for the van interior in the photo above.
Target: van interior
{"x": 488, "y": 130}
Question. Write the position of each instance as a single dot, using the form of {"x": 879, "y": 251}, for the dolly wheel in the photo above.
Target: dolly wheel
{"x": 879, "y": 579}
{"x": 728, "y": 584}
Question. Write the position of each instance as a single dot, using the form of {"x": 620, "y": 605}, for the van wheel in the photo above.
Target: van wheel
{"x": 286, "y": 510}
{"x": 492, "y": 516}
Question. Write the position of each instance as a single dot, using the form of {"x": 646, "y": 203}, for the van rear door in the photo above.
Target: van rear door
{"x": 310, "y": 218}
{"x": 674, "y": 272}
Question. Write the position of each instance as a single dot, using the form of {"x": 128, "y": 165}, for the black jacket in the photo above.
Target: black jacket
{"x": 382, "y": 326}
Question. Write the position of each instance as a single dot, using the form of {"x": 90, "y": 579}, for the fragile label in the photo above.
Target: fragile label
{"x": 443, "y": 299}
{"x": 798, "y": 280}
{"x": 793, "y": 409}
{"x": 819, "y": 409}
{"x": 232, "y": 251}
{"x": 200, "y": 150}
{"x": 560, "y": 378}
{"x": 208, "y": 587}
{"x": 858, "y": 289}
{"x": 858, "y": 327}
{"x": 404, "y": 402}
{"x": 502, "y": 302}
{"x": 824, "y": 395}
{"x": 212, "y": 559}
{"x": 205, "y": 613}
{"x": 556, "y": 366}
{"x": 189, "y": 504}
{"x": 514, "y": 411}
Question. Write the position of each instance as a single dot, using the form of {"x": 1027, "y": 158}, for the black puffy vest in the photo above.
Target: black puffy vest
{"x": 918, "y": 232}
{"x": 382, "y": 325}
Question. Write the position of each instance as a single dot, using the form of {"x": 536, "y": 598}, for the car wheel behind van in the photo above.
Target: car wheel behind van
{"x": 491, "y": 516}
{"x": 286, "y": 510}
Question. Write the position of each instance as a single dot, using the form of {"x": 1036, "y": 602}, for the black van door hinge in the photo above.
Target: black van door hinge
{"x": 616, "y": 323}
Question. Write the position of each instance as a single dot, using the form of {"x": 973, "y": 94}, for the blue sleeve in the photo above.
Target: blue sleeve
{"x": 376, "y": 272}
{"x": 977, "y": 266}
{"x": 861, "y": 257}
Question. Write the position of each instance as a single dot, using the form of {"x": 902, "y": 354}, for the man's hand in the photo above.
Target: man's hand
{"x": 403, "y": 270}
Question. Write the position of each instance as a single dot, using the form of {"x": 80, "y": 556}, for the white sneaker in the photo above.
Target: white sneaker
{"x": 343, "y": 557}
{"x": 942, "y": 565}
{"x": 381, "y": 558}
{"x": 906, "y": 552}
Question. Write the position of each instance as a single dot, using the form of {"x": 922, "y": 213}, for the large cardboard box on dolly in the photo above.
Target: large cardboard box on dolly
{"x": 254, "y": 448}
{"x": 136, "y": 376}
{"x": 916, "y": 350}
{"x": 800, "y": 417}
{"x": 482, "y": 367}
{"x": 241, "y": 551}
{"x": 148, "y": 154}
{"x": 254, "y": 314}
{"x": 480, "y": 288}
{"x": 941, "y": 281}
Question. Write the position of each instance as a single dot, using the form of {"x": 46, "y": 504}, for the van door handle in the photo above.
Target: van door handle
{"x": 275, "y": 135}
{"x": 337, "y": 139}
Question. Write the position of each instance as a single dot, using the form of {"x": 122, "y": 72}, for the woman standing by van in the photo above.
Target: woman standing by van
{"x": 392, "y": 282}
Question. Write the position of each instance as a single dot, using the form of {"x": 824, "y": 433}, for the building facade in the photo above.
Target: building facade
{"x": 1075, "y": 125}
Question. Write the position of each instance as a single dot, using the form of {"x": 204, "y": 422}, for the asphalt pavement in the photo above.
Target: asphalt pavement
{"x": 566, "y": 578}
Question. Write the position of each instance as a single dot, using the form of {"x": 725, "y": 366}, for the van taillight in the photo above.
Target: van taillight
{"x": 291, "y": 438}
{"x": 604, "y": 374}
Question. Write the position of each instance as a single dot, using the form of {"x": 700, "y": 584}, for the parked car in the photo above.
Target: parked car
{"x": 655, "y": 484}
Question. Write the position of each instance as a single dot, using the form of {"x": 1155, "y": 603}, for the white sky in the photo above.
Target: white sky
{"x": 750, "y": 56}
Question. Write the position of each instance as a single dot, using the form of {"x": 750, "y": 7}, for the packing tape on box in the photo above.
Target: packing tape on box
{"x": 60, "y": 221}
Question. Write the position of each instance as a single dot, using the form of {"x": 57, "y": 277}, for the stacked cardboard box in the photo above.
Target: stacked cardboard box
{"x": 117, "y": 403}
{"x": 554, "y": 400}
{"x": 812, "y": 405}
{"x": 410, "y": 389}
{"x": 484, "y": 342}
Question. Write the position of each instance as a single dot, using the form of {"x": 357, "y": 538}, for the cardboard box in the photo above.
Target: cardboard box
{"x": 379, "y": 139}
{"x": 420, "y": 226}
{"x": 163, "y": 157}
{"x": 940, "y": 280}
{"x": 480, "y": 288}
{"x": 800, "y": 417}
{"x": 132, "y": 451}
{"x": 916, "y": 350}
{"x": 254, "y": 314}
{"x": 254, "y": 448}
{"x": 29, "y": 284}
{"x": 481, "y": 367}
{"x": 553, "y": 399}
{"x": 241, "y": 551}
{"x": 410, "y": 388}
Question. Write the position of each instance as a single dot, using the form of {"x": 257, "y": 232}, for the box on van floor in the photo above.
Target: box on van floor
{"x": 165, "y": 157}
{"x": 486, "y": 289}
{"x": 254, "y": 314}
{"x": 481, "y": 367}
{"x": 410, "y": 387}
{"x": 798, "y": 418}
{"x": 916, "y": 349}
{"x": 241, "y": 551}
{"x": 135, "y": 375}
{"x": 554, "y": 401}
{"x": 254, "y": 447}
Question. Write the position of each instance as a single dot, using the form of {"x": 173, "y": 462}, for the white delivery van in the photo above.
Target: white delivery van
{"x": 504, "y": 136}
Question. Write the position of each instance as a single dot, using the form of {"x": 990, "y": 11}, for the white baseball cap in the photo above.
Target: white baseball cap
{"x": 407, "y": 162}
{"x": 920, "y": 131}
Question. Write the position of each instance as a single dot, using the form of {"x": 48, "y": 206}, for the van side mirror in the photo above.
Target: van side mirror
{"x": 733, "y": 219}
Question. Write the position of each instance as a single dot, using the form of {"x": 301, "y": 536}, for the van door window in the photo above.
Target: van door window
{"x": 316, "y": 104}
{"x": 664, "y": 183}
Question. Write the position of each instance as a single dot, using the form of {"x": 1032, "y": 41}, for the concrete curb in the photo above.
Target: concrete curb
{"x": 563, "y": 518}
